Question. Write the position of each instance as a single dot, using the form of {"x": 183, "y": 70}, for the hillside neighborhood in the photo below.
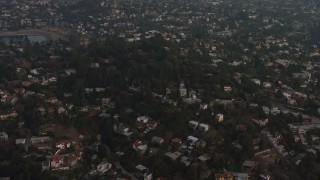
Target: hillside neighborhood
{"x": 160, "y": 90}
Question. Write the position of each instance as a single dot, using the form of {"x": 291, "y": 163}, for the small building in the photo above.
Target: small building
{"x": 103, "y": 167}
{"x": 183, "y": 90}
{"x": 20, "y": 141}
{"x": 143, "y": 119}
{"x": 296, "y": 138}
{"x": 192, "y": 140}
{"x": 219, "y": 117}
{"x": 241, "y": 176}
{"x": 56, "y": 161}
{"x": 136, "y": 144}
{"x": 256, "y": 81}
{"x": 266, "y": 110}
{"x": 36, "y": 139}
{"x": 261, "y": 122}
{"x": 248, "y": 165}
{"x": 227, "y": 88}
{"x": 176, "y": 142}
{"x": 185, "y": 160}
{"x": 157, "y": 140}
{"x": 266, "y": 85}
{"x": 204, "y": 157}
{"x": 63, "y": 144}
{"x": 193, "y": 124}
{"x": 3, "y": 137}
{"x": 173, "y": 156}
{"x": 139, "y": 147}
{"x": 203, "y": 127}
{"x": 203, "y": 106}
{"x": 315, "y": 139}
{"x": 147, "y": 176}
{"x": 152, "y": 124}
{"x": 224, "y": 176}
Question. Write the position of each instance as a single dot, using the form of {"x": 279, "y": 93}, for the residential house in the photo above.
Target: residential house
{"x": 248, "y": 165}
{"x": 224, "y": 176}
{"x": 173, "y": 156}
{"x": 204, "y": 157}
{"x": 203, "y": 106}
{"x": 70, "y": 71}
{"x": 153, "y": 151}
{"x": 296, "y": 138}
{"x": 203, "y": 127}
{"x": 61, "y": 110}
{"x": 219, "y": 117}
{"x": 275, "y": 111}
{"x": 267, "y": 85}
{"x": 36, "y": 139}
{"x": 147, "y": 176}
{"x": 256, "y": 81}
{"x": 20, "y": 141}
{"x": 157, "y": 140}
{"x": 240, "y": 176}
{"x": 315, "y": 139}
{"x": 193, "y": 124}
{"x": 151, "y": 124}
{"x": 56, "y": 161}
{"x": 122, "y": 129}
{"x": 299, "y": 96}
{"x": 3, "y": 137}
{"x": 182, "y": 90}
{"x": 227, "y": 88}
{"x": 306, "y": 118}
{"x": 139, "y": 147}
{"x": 143, "y": 119}
{"x": 265, "y": 176}
{"x": 185, "y": 160}
{"x": 261, "y": 122}
{"x": 192, "y": 140}
{"x": 103, "y": 167}
{"x": 64, "y": 144}
{"x": 176, "y": 142}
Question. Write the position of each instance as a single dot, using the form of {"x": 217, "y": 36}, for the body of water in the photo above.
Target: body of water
{"x": 21, "y": 38}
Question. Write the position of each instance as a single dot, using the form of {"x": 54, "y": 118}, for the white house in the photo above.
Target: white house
{"x": 193, "y": 124}
{"x": 256, "y": 81}
{"x": 173, "y": 156}
{"x": 20, "y": 141}
{"x": 192, "y": 140}
{"x": 203, "y": 127}
{"x": 70, "y": 71}
{"x": 266, "y": 85}
{"x": 143, "y": 119}
{"x": 147, "y": 176}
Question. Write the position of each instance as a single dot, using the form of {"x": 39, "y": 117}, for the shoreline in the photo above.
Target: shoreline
{"x": 31, "y": 32}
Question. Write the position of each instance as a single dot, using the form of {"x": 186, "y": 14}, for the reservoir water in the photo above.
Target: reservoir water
{"x": 21, "y": 38}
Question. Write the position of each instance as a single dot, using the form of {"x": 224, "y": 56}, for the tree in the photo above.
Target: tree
{"x": 247, "y": 144}
{"x": 79, "y": 93}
